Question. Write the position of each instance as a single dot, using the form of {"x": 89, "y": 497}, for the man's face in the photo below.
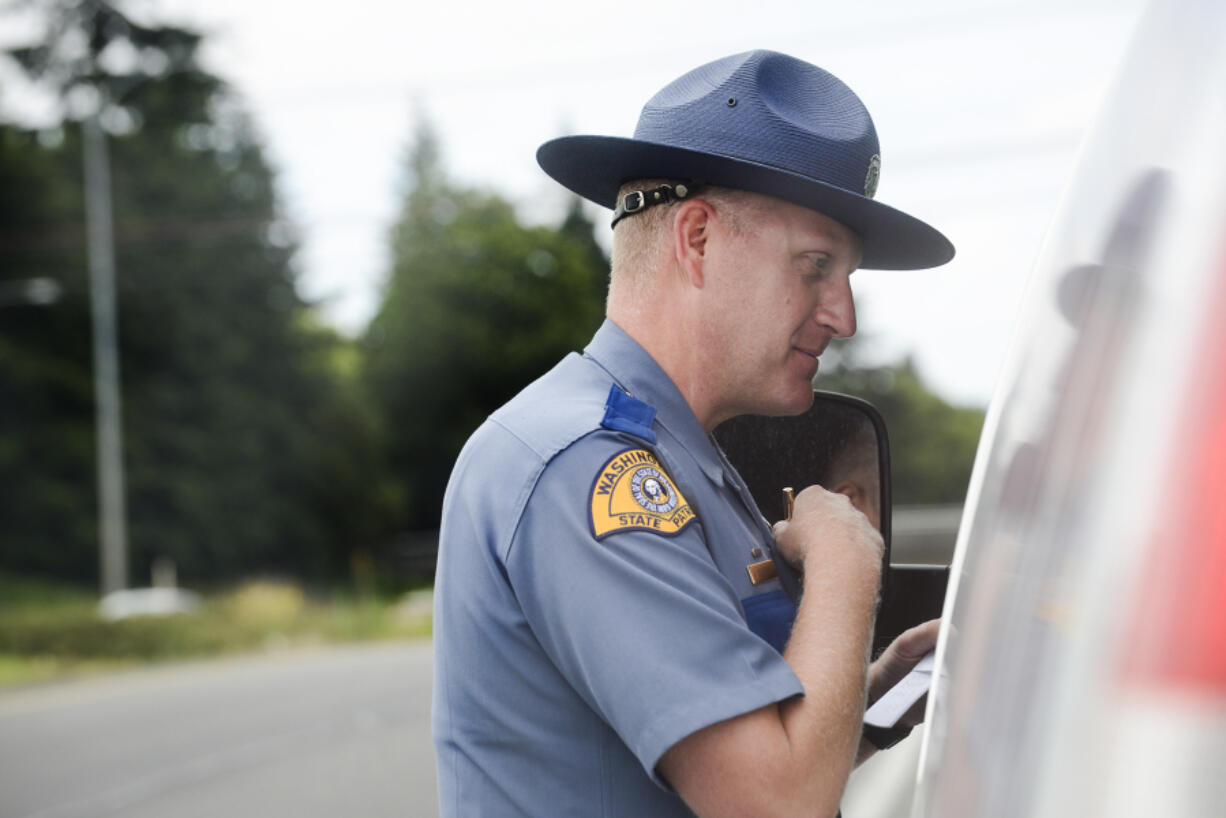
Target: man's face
{"x": 781, "y": 290}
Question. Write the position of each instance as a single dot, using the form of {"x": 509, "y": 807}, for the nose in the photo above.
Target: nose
{"x": 836, "y": 310}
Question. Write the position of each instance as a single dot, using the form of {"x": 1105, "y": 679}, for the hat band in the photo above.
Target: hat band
{"x": 638, "y": 200}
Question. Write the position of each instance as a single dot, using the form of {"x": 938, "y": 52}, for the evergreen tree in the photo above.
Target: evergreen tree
{"x": 227, "y": 380}
{"x": 476, "y": 307}
{"x": 47, "y": 518}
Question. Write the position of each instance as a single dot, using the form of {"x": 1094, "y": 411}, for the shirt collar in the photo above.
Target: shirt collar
{"x": 634, "y": 370}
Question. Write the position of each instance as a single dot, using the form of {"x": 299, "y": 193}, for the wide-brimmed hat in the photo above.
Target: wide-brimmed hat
{"x": 766, "y": 123}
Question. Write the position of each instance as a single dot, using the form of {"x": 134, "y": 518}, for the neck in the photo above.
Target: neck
{"x": 668, "y": 330}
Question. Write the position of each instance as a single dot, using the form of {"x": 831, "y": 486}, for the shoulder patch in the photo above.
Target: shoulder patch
{"x": 633, "y": 492}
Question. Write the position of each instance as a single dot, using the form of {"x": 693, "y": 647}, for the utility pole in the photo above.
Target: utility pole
{"x": 112, "y": 513}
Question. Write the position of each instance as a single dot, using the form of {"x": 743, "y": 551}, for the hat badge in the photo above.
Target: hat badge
{"x": 873, "y": 175}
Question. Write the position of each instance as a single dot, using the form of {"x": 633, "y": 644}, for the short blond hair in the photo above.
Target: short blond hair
{"x": 640, "y": 240}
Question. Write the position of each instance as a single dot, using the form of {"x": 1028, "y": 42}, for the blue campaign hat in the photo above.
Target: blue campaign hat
{"x": 766, "y": 123}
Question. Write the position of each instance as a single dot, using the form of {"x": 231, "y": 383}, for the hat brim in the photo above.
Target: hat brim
{"x": 595, "y": 167}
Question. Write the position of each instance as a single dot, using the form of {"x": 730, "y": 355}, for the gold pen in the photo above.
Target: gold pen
{"x": 789, "y": 500}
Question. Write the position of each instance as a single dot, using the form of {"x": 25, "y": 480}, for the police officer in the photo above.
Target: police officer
{"x": 618, "y": 632}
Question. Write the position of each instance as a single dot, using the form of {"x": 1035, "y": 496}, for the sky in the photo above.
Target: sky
{"x": 980, "y": 106}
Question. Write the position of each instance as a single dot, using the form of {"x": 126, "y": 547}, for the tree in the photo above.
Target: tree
{"x": 227, "y": 378}
{"x": 476, "y": 307}
{"x": 46, "y": 390}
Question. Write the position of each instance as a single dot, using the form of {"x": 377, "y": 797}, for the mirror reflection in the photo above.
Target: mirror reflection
{"x": 833, "y": 445}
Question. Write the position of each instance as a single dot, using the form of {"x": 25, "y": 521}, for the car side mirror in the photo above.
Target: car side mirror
{"x": 840, "y": 443}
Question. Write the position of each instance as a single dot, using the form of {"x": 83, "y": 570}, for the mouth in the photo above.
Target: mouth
{"x": 810, "y": 364}
{"x": 812, "y": 352}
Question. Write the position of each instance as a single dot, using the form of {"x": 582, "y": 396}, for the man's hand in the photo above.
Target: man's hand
{"x": 903, "y": 654}
{"x": 826, "y": 527}
{"x": 897, "y": 660}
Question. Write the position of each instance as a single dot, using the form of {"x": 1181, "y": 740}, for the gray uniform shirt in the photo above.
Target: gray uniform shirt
{"x": 592, "y": 603}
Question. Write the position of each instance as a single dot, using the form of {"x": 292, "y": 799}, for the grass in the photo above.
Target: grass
{"x": 16, "y": 671}
{"x": 48, "y": 631}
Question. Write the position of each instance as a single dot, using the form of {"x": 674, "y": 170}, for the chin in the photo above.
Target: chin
{"x": 781, "y": 398}
{"x": 803, "y": 401}
{"x": 796, "y": 402}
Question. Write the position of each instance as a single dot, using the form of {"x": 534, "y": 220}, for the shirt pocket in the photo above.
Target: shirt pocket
{"x": 770, "y": 616}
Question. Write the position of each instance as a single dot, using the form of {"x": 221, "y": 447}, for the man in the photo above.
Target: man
{"x": 601, "y": 649}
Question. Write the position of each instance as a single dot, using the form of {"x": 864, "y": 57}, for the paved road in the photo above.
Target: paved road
{"x": 327, "y": 732}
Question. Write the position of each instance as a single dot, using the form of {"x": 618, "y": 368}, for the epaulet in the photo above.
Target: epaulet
{"x": 625, "y": 413}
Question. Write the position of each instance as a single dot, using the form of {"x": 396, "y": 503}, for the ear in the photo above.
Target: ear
{"x": 692, "y": 224}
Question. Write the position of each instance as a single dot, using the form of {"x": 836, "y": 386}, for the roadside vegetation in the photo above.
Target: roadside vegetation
{"x": 50, "y": 631}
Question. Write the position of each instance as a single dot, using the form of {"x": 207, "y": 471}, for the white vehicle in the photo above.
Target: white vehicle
{"x": 1082, "y": 664}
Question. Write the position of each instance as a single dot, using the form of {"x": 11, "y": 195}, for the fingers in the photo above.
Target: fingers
{"x": 903, "y": 654}
{"x": 828, "y": 522}
{"x": 917, "y": 642}
{"x": 914, "y": 644}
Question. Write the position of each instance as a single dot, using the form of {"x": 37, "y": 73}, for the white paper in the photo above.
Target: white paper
{"x": 887, "y": 710}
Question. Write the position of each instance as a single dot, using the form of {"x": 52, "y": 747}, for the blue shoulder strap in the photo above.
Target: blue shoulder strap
{"x": 625, "y": 413}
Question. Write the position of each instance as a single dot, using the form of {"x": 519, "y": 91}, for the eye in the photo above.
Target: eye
{"x": 816, "y": 265}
